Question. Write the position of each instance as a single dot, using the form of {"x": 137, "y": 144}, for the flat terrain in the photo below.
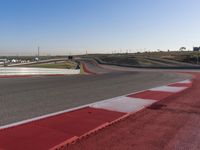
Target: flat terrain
{"x": 24, "y": 98}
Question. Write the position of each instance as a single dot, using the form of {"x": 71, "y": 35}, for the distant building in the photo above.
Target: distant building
{"x": 196, "y": 49}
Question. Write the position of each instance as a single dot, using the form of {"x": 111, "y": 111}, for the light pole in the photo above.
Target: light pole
{"x": 38, "y": 51}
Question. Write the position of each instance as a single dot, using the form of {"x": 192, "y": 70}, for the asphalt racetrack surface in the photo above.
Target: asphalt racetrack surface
{"x": 26, "y": 98}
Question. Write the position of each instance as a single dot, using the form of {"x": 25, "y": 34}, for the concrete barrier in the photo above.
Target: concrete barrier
{"x": 14, "y": 71}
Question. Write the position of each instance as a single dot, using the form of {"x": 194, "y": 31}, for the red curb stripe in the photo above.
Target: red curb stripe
{"x": 64, "y": 144}
{"x": 86, "y": 70}
{"x": 153, "y": 95}
{"x": 181, "y": 84}
{"x": 16, "y": 76}
{"x": 74, "y": 140}
{"x": 51, "y": 131}
{"x": 28, "y": 76}
{"x": 79, "y": 122}
{"x": 30, "y": 137}
{"x": 54, "y": 75}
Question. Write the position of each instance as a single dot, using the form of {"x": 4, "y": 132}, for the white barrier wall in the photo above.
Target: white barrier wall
{"x": 36, "y": 71}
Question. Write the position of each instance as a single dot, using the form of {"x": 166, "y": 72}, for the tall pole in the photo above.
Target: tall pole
{"x": 38, "y": 51}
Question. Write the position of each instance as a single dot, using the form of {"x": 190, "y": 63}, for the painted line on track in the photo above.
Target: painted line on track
{"x": 57, "y": 130}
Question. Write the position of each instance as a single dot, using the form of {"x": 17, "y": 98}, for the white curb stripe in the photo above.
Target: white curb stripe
{"x": 185, "y": 81}
{"x": 168, "y": 89}
{"x": 123, "y": 104}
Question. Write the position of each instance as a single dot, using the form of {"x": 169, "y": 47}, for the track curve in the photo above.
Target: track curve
{"x": 25, "y": 98}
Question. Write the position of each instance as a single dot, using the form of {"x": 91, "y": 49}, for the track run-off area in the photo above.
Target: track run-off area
{"x": 61, "y": 112}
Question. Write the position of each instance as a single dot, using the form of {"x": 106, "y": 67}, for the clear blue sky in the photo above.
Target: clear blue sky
{"x": 64, "y": 26}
